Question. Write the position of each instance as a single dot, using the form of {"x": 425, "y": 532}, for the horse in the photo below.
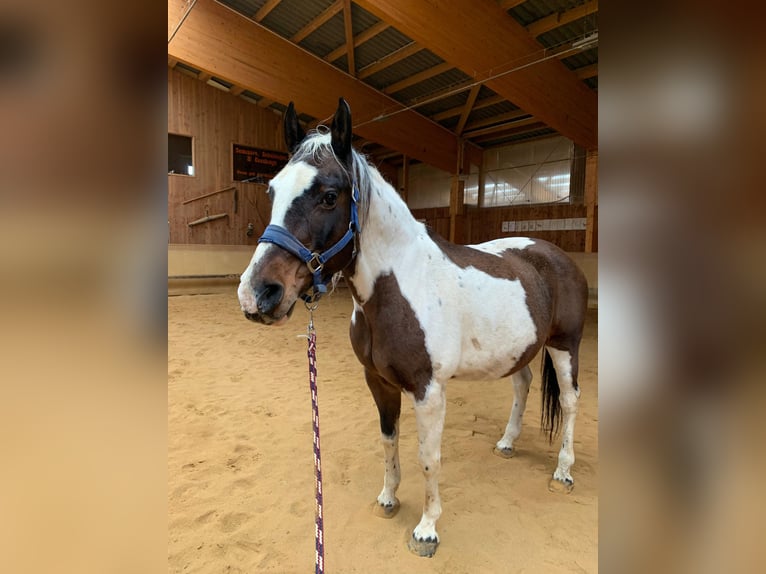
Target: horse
{"x": 424, "y": 310}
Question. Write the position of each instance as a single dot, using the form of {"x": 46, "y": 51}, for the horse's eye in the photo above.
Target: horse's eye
{"x": 329, "y": 199}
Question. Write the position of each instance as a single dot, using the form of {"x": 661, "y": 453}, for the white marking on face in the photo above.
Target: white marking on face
{"x": 288, "y": 185}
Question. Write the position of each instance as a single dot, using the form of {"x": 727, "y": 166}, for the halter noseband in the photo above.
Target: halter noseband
{"x": 314, "y": 261}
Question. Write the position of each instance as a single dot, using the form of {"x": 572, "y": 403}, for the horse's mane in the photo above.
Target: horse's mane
{"x": 317, "y": 149}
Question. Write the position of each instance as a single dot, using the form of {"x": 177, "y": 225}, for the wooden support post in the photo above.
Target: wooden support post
{"x": 591, "y": 200}
{"x": 457, "y": 198}
{"x": 482, "y": 179}
{"x": 404, "y": 186}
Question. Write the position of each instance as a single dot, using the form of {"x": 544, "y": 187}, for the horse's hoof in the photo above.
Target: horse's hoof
{"x": 505, "y": 452}
{"x": 564, "y": 486}
{"x": 425, "y": 548}
{"x": 386, "y": 511}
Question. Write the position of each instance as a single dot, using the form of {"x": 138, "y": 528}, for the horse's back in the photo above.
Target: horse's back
{"x": 564, "y": 281}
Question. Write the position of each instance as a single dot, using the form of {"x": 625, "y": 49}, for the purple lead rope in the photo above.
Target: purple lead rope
{"x": 319, "y": 524}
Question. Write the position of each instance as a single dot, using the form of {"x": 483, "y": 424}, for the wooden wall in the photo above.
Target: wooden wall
{"x": 484, "y": 224}
{"x": 216, "y": 120}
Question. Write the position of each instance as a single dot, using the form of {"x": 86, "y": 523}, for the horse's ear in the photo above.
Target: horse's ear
{"x": 294, "y": 133}
{"x": 341, "y": 132}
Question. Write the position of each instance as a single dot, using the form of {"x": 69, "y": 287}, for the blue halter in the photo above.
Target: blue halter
{"x": 314, "y": 261}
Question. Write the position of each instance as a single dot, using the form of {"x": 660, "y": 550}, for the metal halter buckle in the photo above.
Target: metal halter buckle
{"x": 315, "y": 263}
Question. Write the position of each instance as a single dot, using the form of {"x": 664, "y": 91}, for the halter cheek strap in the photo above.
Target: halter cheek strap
{"x": 314, "y": 261}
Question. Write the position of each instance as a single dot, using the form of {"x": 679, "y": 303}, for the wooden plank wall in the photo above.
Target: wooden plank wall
{"x": 437, "y": 218}
{"x": 486, "y": 223}
{"x": 216, "y": 120}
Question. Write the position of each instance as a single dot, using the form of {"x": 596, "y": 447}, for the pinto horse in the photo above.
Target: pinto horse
{"x": 425, "y": 310}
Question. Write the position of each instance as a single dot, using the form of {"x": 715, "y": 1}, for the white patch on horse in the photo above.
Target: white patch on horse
{"x": 471, "y": 339}
{"x": 429, "y": 415}
{"x": 499, "y": 246}
{"x": 357, "y": 309}
{"x": 393, "y": 476}
{"x": 289, "y": 184}
{"x": 562, "y": 362}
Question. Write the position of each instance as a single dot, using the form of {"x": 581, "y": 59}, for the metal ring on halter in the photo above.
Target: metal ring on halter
{"x": 313, "y": 301}
{"x": 315, "y": 260}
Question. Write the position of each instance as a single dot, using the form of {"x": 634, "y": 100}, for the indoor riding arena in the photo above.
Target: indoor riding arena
{"x": 416, "y": 129}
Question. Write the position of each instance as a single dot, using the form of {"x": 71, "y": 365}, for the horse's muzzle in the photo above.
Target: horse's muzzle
{"x": 265, "y": 319}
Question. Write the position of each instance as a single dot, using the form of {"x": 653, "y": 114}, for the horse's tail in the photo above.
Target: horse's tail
{"x": 550, "y": 417}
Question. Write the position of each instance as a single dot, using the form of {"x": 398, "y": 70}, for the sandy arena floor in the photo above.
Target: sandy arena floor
{"x": 240, "y": 463}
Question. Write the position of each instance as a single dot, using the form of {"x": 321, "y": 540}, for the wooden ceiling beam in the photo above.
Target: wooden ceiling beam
{"x": 587, "y": 71}
{"x": 467, "y": 108}
{"x": 236, "y": 90}
{"x": 312, "y": 26}
{"x": 524, "y": 128}
{"x": 480, "y": 39}
{"x": 363, "y": 37}
{"x": 457, "y": 110}
{"x": 417, "y": 78}
{"x": 508, "y": 4}
{"x": 500, "y": 127}
{"x": 229, "y": 46}
{"x": 514, "y": 115}
{"x": 348, "y": 29}
{"x": 390, "y": 60}
{"x": 386, "y": 156}
{"x": 558, "y": 19}
{"x": 265, "y": 10}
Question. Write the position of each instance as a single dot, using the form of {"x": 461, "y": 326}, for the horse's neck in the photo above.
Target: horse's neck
{"x": 389, "y": 232}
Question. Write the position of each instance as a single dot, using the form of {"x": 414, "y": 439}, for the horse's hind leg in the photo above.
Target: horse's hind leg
{"x": 565, "y": 363}
{"x": 388, "y": 399}
{"x": 521, "y": 381}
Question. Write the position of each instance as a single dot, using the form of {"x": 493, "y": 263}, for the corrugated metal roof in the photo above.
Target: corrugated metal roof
{"x": 424, "y": 90}
{"x": 361, "y": 19}
{"x": 385, "y": 43}
{"x": 533, "y": 10}
{"x": 245, "y": 7}
{"x": 581, "y": 59}
{"x": 290, "y": 16}
{"x": 485, "y": 92}
{"x": 568, "y": 33}
{"x": 444, "y": 104}
{"x": 402, "y": 69}
{"x": 491, "y": 111}
{"x": 325, "y": 39}
{"x": 505, "y": 140}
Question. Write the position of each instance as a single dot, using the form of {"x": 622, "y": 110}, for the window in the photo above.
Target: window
{"x": 180, "y": 155}
{"x": 528, "y": 173}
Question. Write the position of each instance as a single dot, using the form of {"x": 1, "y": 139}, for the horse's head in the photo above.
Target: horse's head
{"x": 310, "y": 216}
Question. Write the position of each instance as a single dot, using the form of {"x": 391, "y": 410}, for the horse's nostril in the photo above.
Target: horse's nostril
{"x": 268, "y": 296}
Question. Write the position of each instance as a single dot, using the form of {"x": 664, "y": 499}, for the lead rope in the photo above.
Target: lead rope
{"x": 319, "y": 521}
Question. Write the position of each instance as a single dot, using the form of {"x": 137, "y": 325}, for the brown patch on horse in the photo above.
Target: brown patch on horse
{"x": 401, "y": 360}
{"x": 510, "y": 265}
{"x": 542, "y": 268}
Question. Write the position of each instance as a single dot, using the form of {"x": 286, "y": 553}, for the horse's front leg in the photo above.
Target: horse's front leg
{"x": 429, "y": 413}
{"x": 388, "y": 399}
